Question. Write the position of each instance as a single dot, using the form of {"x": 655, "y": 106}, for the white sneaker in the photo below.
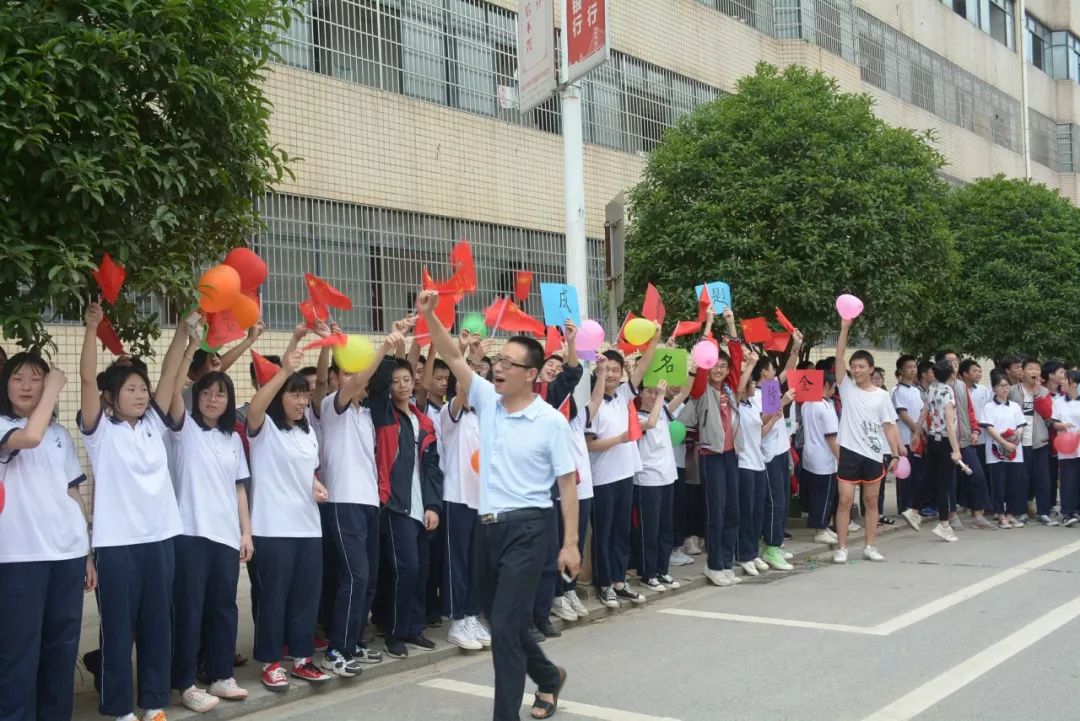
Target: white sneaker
{"x": 668, "y": 581}
{"x": 750, "y": 568}
{"x": 825, "y": 536}
{"x": 852, "y": 527}
{"x": 761, "y": 565}
{"x": 718, "y": 578}
{"x": 198, "y": 700}
{"x": 228, "y": 689}
{"x": 562, "y": 609}
{"x": 730, "y": 573}
{"x": 678, "y": 558}
{"x": 576, "y": 604}
{"x": 479, "y": 631}
{"x": 692, "y": 547}
{"x": 956, "y": 524}
{"x": 945, "y": 533}
{"x": 870, "y": 553}
{"x": 653, "y": 584}
{"x": 461, "y": 635}
{"x": 913, "y": 518}
{"x": 839, "y": 555}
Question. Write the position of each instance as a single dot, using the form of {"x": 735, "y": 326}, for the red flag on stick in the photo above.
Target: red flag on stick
{"x": 703, "y": 305}
{"x": 633, "y": 425}
{"x": 687, "y": 327}
{"x": 522, "y": 285}
{"x": 464, "y": 268}
{"x": 108, "y": 337}
{"x": 553, "y": 343}
{"x": 333, "y": 340}
{"x": 222, "y": 328}
{"x": 265, "y": 370}
{"x": 564, "y": 407}
{"x": 324, "y": 294}
{"x": 778, "y": 343}
{"x": 783, "y": 320}
{"x": 310, "y": 311}
{"x": 110, "y": 278}
{"x": 756, "y": 330}
{"x": 504, "y": 314}
{"x": 653, "y": 309}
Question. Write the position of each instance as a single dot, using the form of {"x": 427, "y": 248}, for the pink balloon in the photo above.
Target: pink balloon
{"x": 705, "y": 354}
{"x": 848, "y": 306}
{"x": 589, "y": 336}
{"x": 903, "y": 467}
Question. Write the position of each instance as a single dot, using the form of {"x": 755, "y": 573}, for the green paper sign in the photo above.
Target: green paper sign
{"x": 669, "y": 364}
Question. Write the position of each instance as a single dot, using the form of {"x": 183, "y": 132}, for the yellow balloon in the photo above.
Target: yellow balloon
{"x": 356, "y": 355}
{"x": 640, "y": 331}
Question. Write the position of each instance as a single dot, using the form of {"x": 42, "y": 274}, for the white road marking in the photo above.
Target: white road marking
{"x": 904, "y": 620}
{"x": 954, "y": 679}
{"x": 572, "y": 707}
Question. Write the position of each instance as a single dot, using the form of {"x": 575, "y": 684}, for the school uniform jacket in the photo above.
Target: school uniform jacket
{"x": 563, "y": 385}
{"x": 1040, "y": 433}
{"x": 394, "y": 432}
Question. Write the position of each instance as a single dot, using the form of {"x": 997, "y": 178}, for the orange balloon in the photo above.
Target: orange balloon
{"x": 476, "y": 461}
{"x": 246, "y": 311}
{"x": 218, "y": 288}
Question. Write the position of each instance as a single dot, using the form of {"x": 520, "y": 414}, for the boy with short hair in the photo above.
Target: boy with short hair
{"x": 908, "y": 404}
{"x": 1037, "y": 407}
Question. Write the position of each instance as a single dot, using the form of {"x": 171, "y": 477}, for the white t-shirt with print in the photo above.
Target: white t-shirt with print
{"x": 863, "y": 414}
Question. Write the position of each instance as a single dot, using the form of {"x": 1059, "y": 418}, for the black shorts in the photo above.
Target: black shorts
{"x": 857, "y": 468}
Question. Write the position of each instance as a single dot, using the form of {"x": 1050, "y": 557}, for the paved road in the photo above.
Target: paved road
{"x": 981, "y": 629}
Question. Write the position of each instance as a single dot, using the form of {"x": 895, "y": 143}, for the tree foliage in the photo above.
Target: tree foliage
{"x": 1016, "y": 280}
{"x": 793, "y": 193}
{"x": 137, "y": 127}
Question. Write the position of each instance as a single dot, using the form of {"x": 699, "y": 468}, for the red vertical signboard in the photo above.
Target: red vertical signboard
{"x": 586, "y": 31}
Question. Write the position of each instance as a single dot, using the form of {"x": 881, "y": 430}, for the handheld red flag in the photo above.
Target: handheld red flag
{"x": 703, "y": 305}
{"x": 322, "y": 293}
{"x": 564, "y": 407}
{"x": 504, "y": 314}
{"x": 756, "y": 330}
{"x": 687, "y": 327}
{"x": 653, "y": 309}
{"x": 778, "y": 343}
{"x": 783, "y": 320}
{"x": 335, "y": 339}
{"x": 110, "y": 278}
{"x": 264, "y": 370}
{"x": 108, "y": 337}
{"x": 222, "y": 328}
{"x": 553, "y": 343}
{"x": 522, "y": 285}
{"x": 464, "y": 268}
{"x": 633, "y": 425}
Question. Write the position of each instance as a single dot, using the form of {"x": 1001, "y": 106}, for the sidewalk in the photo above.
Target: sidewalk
{"x": 807, "y": 556}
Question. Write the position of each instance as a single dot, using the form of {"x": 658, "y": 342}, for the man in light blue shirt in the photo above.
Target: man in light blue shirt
{"x": 524, "y": 451}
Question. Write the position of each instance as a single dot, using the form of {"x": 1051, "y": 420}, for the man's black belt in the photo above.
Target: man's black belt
{"x": 520, "y": 514}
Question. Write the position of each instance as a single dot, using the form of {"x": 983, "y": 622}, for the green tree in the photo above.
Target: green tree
{"x": 1016, "y": 284}
{"x": 137, "y": 127}
{"x": 793, "y": 193}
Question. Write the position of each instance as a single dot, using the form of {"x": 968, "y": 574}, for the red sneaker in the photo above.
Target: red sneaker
{"x": 274, "y": 678}
{"x": 309, "y": 672}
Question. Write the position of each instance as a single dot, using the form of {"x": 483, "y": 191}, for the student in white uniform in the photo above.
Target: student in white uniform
{"x": 44, "y": 547}
{"x": 821, "y": 451}
{"x": 136, "y": 519}
{"x": 615, "y": 460}
{"x": 907, "y": 400}
{"x": 753, "y": 476}
{"x": 347, "y": 455}
{"x": 211, "y": 471}
{"x": 1004, "y": 421}
{"x": 654, "y": 487}
{"x": 285, "y": 522}
{"x": 1067, "y": 420}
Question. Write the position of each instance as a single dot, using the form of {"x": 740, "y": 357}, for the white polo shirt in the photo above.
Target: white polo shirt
{"x": 1003, "y": 417}
{"x": 778, "y": 440}
{"x": 134, "y": 501}
{"x": 209, "y": 465}
{"x": 347, "y": 454}
{"x": 1067, "y": 411}
{"x": 657, "y": 458}
{"x": 461, "y": 484}
{"x": 751, "y": 453}
{"x": 580, "y": 451}
{"x": 40, "y": 521}
{"x": 819, "y": 422}
{"x": 283, "y": 465}
{"x": 906, "y": 398}
{"x": 622, "y": 460}
{"x": 863, "y": 414}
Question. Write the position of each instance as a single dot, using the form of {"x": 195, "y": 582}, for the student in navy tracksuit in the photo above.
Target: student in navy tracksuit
{"x": 410, "y": 490}
{"x": 136, "y": 519}
{"x": 44, "y": 547}
{"x": 211, "y": 471}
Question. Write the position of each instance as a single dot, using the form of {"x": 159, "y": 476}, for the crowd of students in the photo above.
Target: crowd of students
{"x": 355, "y": 497}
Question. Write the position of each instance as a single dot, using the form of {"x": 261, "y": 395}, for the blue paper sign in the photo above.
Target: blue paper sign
{"x": 560, "y": 302}
{"x": 720, "y": 292}
{"x": 771, "y": 397}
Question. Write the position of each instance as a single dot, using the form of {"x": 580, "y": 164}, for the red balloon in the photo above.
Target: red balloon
{"x": 1067, "y": 442}
{"x": 252, "y": 268}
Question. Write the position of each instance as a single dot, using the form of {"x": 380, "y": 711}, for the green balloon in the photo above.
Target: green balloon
{"x": 474, "y": 323}
{"x": 677, "y": 431}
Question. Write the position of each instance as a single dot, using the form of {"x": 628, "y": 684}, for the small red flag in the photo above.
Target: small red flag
{"x": 564, "y": 407}
{"x": 633, "y": 425}
{"x": 264, "y": 370}
{"x": 504, "y": 314}
{"x": 110, "y": 278}
{"x": 778, "y": 343}
{"x": 522, "y": 285}
{"x": 687, "y": 327}
{"x": 335, "y": 339}
{"x": 653, "y": 309}
{"x": 108, "y": 337}
{"x": 553, "y": 343}
{"x": 311, "y": 313}
{"x": 464, "y": 268}
{"x": 222, "y": 328}
{"x": 703, "y": 305}
{"x": 756, "y": 330}
{"x": 324, "y": 294}
{"x": 783, "y": 320}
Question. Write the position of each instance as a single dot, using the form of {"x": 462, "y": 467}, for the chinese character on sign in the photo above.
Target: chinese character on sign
{"x": 666, "y": 364}
{"x": 593, "y": 10}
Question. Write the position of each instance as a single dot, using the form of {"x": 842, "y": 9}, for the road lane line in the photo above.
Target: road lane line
{"x": 571, "y": 707}
{"x": 949, "y": 682}
{"x": 764, "y": 620}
